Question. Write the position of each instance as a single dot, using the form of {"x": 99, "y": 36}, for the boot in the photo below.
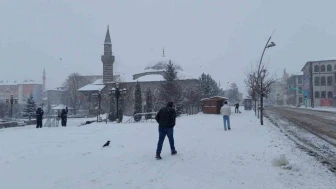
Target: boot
{"x": 158, "y": 156}
{"x": 174, "y": 152}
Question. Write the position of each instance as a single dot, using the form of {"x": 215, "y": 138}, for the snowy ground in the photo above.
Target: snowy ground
{"x": 208, "y": 157}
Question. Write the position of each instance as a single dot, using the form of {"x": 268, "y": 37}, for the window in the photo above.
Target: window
{"x": 323, "y": 94}
{"x": 329, "y": 68}
{"x": 329, "y": 80}
{"x": 330, "y": 94}
{"x": 316, "y": 68}
{"x": 323, "y": 80}
{"x": 300, "y": 90}
{"x": 300, "y": 79}
{"x": 323, "y": 68}
{"x": 317, "y": 94}
{"x": 335, "y": 67}
{"x": 317, "y": 81}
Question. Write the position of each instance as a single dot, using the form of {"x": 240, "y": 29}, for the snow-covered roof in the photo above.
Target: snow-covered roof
{"x": 60, "y": 89}
{"x": 220, "y": 97}
{"x": 161, "y": 64}
{"x": 7, "y": 84}
{"x": 92, "y": 87}
{"x": 98, "y": 82}
{"x": 29, "y": 82}
{"x": 60, "y": 107}
{"x": 151, "y": 78}
{"x": 25, "y": 82}
{"x": 158, "y": 77}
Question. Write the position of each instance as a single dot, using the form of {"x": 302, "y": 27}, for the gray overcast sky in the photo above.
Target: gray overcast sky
{"x": 220, "y": 37}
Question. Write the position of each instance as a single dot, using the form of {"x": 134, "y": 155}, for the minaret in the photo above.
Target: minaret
{"x": 44, "y": 80}
{"x": 108, "y": 59}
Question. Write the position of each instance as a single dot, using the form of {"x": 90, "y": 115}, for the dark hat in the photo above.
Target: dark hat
{"x": 170, "y": 104}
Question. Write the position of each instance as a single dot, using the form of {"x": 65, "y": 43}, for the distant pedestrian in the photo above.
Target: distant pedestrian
{"x": 64, "y": 116}
{"x": 166, "y": 118}
{"x": 237, "y": 108}
{"x": 226, "y": 112}
{"x": 39, "y": 117}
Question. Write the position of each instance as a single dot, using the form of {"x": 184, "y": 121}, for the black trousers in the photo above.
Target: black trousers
{"x": 39, "y": 123}
{"x": 64, "y": 122}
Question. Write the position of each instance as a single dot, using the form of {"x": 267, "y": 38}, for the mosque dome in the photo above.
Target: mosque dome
{"x": 161, "y": 64}
{"x": 154, "y": 71}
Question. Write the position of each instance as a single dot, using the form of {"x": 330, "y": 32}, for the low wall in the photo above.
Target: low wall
{"x": 8, "y": 124}
{"x": 31, "y": 122}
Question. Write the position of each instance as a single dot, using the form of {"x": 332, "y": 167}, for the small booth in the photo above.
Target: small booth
{"x": 58, "y": 108}
{"x": 248, "y": 104}
{"x": 213, "y": 105}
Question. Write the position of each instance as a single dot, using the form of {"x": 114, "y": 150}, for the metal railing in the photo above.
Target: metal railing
{"x": 51, "y": 122}
{"x": 144, "y": 117}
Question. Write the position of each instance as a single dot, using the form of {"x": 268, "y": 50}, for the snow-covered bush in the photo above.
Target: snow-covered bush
{"x": 280, "y": 161}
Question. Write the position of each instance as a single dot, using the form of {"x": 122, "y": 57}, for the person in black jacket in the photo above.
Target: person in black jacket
{"x": 64, "y": 116}
{"x": 39, "y": 117}
{"x": 237, "y": 108}
{"x": 166, "y": 118}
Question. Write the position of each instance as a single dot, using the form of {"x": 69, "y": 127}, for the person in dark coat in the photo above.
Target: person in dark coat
{"x": 64, "y": 116}
{"x": 39, "y": 117}
{"x": 237, "y": 108}
{"x": 166, "y": 118}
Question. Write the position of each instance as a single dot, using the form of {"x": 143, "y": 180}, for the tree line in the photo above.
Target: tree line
{"x": 184, "y": 97}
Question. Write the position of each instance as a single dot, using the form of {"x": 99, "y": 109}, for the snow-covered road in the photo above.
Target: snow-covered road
{"x": 208, "y": 157}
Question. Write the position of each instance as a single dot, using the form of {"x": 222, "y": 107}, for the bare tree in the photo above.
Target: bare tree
{"x": 251, "y": 88}
{"x": 192, "y": 98}
{"x": 72, "y": 96}
{"x": 258, "y": 83}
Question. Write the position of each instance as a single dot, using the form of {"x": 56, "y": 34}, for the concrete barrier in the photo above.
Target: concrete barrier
{"x": 8, "y": 124}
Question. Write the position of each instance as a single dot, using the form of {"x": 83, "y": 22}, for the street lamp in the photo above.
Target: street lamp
{"x": 99, "y": 97}
{"x": 227, "y": 89}
{"x": 117, "y": 92}
{"x": 268, "y": 45}
{"x": 11, "y": 101}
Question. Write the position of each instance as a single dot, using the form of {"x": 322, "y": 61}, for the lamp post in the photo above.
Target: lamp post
{"x": 227, "y": 89}
{"x": 11, "y": 101}
{"x": 99, "y": 97}
{"x": 117, "y": 92}
{"x": 268, "y": 45}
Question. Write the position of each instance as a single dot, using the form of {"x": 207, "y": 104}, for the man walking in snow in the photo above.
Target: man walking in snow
{"x": 237, "y": 108}
{"x": 226, "y": 112}
{"x": 64, "y": 116}
{"x": 166, "y": 118}
{"x": 39, "y": 117}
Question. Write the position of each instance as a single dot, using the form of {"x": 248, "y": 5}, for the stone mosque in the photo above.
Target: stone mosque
{"x": 150, "y": 78}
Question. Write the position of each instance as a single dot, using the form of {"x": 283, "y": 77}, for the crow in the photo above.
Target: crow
{"x": 106, "y": 144}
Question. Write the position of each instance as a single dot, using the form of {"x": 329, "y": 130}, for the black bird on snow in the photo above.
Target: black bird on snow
{"x": 106, "y": 144}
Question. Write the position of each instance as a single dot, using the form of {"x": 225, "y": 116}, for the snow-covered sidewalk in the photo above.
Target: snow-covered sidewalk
{"x": 208, "y": 157}
{"x": 327, "y": 109}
